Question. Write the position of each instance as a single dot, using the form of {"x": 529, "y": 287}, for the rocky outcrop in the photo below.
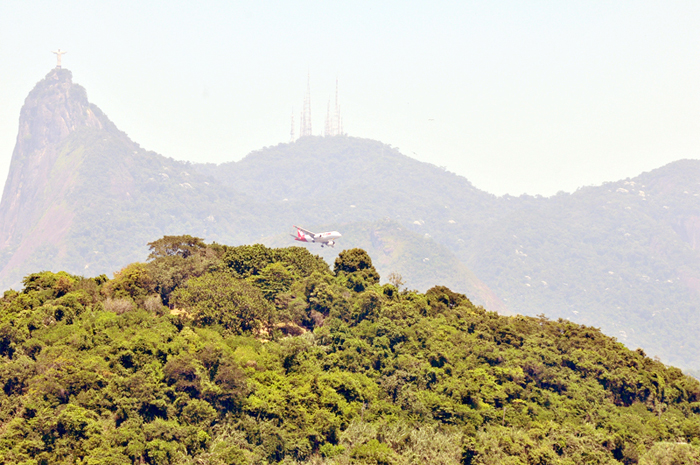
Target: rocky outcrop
{"x": 53, "y": 110}
{"x": 84, "y": 198}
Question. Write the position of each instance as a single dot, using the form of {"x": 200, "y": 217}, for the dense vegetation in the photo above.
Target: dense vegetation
{"x": 232, "y": 355}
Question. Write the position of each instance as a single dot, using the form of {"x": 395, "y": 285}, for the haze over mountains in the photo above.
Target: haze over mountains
{"x": 82, "y": 197}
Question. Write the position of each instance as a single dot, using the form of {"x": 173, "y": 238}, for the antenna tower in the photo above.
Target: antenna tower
{"x": 306, "y": 113}
{"x": 337, "y": 122}
{"x": 291, "y": 132}
{"x": 328, "y": 131}
{"x": 334, "y": 122}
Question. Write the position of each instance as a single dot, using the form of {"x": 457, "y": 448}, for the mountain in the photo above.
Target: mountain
{"x": 347, "y": 179}
{"x": 33, "y": 212}
{"x": 622, "y": 256}
{"x": 78, "y": 187}
{"x": 268, "y": 356}
{"x": 82, "y": 197}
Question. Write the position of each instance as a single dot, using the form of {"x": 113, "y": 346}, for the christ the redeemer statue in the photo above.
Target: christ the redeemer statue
{"x": 58, "y": 57}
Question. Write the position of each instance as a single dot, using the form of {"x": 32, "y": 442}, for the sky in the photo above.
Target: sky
{"x": 519, "y": 97}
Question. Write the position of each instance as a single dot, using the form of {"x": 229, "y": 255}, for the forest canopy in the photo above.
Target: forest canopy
{"x": 248, "y": 355}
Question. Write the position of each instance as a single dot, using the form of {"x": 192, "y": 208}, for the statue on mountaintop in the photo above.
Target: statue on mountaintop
{"x": 58, "y": 57}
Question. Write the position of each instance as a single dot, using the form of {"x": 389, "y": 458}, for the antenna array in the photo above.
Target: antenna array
{"x": 334, "y": 121}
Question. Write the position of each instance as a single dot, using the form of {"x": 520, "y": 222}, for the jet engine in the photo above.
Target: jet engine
{"x": 330, "y": 243}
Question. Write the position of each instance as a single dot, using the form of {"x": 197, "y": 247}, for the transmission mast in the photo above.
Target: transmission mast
{"x": 337, "y": 124}
{"x": 328, "y": 130}
{"x": 306, "y": 113}
{"x": 291, "y": 131}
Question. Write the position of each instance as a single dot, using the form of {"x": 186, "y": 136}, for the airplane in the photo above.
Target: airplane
{"x": 324, "y": 238}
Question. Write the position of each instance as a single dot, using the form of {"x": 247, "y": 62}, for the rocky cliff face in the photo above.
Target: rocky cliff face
{"x": 35, "y": 216}
{"x": 53, "y": 110}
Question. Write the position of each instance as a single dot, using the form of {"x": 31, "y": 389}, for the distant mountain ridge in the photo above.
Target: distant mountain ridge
{"x": 621, "y": 256}
{"x": 81, "y": 196}
{"x": 99, "y": 198}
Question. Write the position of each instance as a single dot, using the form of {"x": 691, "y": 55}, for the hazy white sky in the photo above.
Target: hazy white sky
{"x": 518, "y": 97}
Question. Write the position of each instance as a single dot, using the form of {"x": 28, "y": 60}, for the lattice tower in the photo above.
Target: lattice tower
{"x": 291, "y": 131}
{"x": 328, "y": 130}
{"x": 306, "y": 113}
{"x": 337, "y": 126}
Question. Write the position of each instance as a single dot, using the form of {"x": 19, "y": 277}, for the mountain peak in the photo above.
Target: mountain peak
{"x": 52, "y": 111}
{"x": 57, "y": 74}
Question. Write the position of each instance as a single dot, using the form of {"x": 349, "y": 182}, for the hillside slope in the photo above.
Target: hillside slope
{"x": 622, "y": 256}
{"x": 348, "y": 179}
{"x": 268, "y": 356}
{"x": 82, "y": 196}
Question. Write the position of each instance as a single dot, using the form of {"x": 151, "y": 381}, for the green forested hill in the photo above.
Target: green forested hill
{"x": 82, "y": 197}
{"x": 221, "y": 355}
{"x": 621, "y": 256}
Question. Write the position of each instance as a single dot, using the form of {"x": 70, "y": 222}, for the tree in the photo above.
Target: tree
{"x": 356, "y": 266}
{"x": 272, "y": 280}
{"x": 247, "y": 260}
{"x": 300, "y": 261}
{"x": 60, "y": 283}
{"x": 182, "y": 246}
{"x": 250, "y": 260}
{"x": 132, "y": 281}
{"x": 220, "y": 299}
{"x": 396, "y": 280}
{"x": 441, "y": 298}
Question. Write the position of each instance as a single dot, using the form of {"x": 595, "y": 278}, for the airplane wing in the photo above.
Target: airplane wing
{"x": 306, "y": 231}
